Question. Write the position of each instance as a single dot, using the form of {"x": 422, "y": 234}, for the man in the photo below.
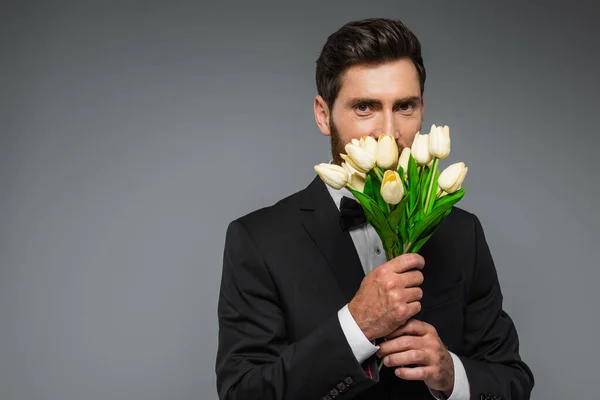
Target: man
{"x": 308, "y": 307}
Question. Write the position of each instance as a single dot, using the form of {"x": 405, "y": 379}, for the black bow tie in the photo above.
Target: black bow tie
{"x": 351, "y": 214}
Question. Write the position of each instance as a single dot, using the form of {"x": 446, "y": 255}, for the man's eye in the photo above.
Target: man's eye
{"x": 406, "y": 106}
{"x": 362, "y": 107}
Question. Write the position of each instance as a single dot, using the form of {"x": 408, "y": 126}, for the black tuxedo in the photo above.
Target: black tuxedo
{"x": 289, "y": 268}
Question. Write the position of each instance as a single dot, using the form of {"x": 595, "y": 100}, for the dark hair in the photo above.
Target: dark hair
{"x": 369, "y": 41}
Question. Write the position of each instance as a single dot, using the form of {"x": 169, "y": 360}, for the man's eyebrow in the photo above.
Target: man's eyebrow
{"x": 366, "y": 100}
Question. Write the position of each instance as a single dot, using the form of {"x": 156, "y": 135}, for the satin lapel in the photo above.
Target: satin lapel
{"x": 321, "y": 220}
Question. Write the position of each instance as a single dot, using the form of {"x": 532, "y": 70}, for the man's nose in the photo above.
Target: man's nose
{"x": 387, "y": 125}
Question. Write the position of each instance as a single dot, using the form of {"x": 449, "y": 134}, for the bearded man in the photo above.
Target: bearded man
{"x": 308, "y": 305}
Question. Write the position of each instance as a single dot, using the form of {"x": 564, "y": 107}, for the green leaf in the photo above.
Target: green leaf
{"x": 434, "y": 186}
{"x": 434, "y": 224}
{"x": 373, "y": 213}
{"x": 368, "y": 190}
{"x": 398, "y": 218}
{"x": 403, "y": 179}
{"x": 413, "y": 184}
{"x": 400, "y": 171}
{"x": 424, "y": 223}
{"x": 378, "y": 220}
{"x": 419, "y": 243}
{"x": 424, "y": 186}
{"x": 449, "y": 200}
{"x": 399, "y": 211}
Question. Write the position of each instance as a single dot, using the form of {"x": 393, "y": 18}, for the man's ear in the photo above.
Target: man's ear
{"x": 322, "y": 115}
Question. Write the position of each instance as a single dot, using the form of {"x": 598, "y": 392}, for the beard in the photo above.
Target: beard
{"x": 337, "y": 146}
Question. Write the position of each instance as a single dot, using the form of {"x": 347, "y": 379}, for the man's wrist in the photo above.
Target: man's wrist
{"x": 461, "y": 389}
{"x": 361, "y": 346}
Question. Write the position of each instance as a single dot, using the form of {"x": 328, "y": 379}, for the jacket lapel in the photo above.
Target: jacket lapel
{"x": 321, "y": 219}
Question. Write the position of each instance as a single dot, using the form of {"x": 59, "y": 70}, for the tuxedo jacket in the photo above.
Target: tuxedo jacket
{"x": 289, "y": 268}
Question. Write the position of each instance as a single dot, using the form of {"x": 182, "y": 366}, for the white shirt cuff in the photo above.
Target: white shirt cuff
{"x": 360, "y": 345}
{"x": 462, "y": 390}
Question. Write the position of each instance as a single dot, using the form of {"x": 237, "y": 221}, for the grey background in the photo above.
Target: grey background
{"x": 132, "y": 133}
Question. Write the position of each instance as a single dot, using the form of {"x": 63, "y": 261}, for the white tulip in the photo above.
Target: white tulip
{"x": 403, "y": 161}
{"x": 392, "y": 189}
{"x": 369, "y": 144}
{"x": 451, "y": 178}
{"x": 357, "y": 181}
{"x": 361, "y": 159}
{"x": 420, "y": 149}
{"x": 351, "y": 170}
{"x": 439, "y": 141}
{"x": 355, "y": 178}
{"x": 333, "y": 175}
{"x": 387, "y": 152}
{"x": 348, "y": 160}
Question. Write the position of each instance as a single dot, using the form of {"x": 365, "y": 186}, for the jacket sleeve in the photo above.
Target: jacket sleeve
{"x": 255, "y": 358}
{"x": 491, "y": 357}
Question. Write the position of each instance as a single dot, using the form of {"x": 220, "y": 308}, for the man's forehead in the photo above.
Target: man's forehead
{"x": 394, "y": 78}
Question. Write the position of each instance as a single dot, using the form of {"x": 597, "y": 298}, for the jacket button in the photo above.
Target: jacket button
{"x": 334, "y": 393}
{"x": 326, "y": 398}
{"x": 348, "y": 381}
{"x": 341, "y": 387}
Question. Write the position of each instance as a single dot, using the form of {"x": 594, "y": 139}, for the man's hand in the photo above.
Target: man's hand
{"x": 388, "y": 296}
{"x": 417, "y": 342}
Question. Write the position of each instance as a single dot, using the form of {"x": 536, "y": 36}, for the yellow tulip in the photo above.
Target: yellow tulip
{"x": 392, "y": 189}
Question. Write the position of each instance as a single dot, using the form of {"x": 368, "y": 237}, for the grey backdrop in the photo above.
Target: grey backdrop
{"x": 133, "y": 132}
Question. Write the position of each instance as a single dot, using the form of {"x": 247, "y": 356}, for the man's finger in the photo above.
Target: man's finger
{"x": 413, "y": 294}
{"x": 411, "y": 327}
{"x": 409, "y": 357}
{"x": 406, "y": 262}
{"x": 412, "y": 278}
{"x": 400, "y": 344}
{"x": 414, "y": 374}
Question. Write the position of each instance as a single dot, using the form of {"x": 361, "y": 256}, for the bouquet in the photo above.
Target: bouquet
{"x": 404, "y": 197}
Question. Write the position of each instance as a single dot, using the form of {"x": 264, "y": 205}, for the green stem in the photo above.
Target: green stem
{"x": 389, "y": 254}
{"x": 406, "y": 247}
{"x": 378, "y": 174}
{"x": 433, "y": 169}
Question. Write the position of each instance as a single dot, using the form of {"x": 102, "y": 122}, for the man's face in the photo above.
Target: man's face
{"x": 373, "y": 100}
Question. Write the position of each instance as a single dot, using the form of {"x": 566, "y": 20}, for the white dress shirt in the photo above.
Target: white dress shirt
{"x": 371, "y": 253}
